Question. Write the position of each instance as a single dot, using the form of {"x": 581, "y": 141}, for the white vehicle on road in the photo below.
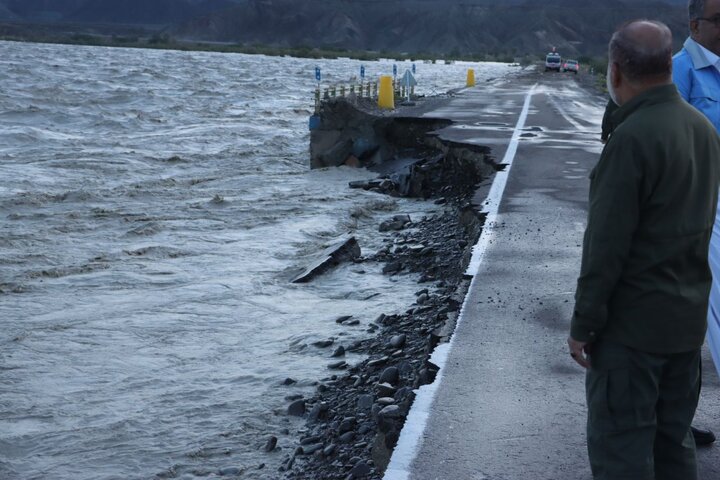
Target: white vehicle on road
{"x": 553, "y": 61}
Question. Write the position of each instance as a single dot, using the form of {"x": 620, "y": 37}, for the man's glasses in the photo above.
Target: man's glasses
{"x": 714, "y": 20}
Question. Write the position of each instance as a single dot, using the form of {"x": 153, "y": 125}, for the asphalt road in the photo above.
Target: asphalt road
{"x": 509, "y": 403}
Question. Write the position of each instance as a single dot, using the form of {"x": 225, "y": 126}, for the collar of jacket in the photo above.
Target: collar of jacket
{"x": 697, "y": 56}
{"x": 653, "y": 96}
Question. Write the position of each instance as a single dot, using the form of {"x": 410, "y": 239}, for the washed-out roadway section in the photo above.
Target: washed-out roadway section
{"x": 509, "y": 402}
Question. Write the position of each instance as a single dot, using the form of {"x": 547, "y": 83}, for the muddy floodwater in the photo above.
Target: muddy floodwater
{"x": 153, "y": 206}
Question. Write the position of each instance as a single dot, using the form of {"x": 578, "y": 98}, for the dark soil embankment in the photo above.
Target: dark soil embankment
{"x": 355, "y": 417}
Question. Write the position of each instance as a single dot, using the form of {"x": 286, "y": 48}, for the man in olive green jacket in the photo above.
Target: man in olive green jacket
{"x": 641, "y": 300}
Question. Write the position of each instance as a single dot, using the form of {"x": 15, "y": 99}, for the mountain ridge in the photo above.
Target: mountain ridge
{"x": 459, "y": 27}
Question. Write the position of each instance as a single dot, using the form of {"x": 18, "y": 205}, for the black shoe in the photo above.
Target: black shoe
{"x": 702, "y": 437}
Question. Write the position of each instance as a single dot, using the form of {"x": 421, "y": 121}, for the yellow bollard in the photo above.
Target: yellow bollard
{"x": 386, "y": 96}
{"x": 470, "y": 77}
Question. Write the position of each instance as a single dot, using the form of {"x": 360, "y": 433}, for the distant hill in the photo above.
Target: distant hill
{"x": 432, "y": 26}
{"x": 462, "y": 27}
{"x": 127, "y": 12}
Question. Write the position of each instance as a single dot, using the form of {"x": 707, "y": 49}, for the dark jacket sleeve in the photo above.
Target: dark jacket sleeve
{"x": 612, "y": 220}
{"x": 607, "y": 128}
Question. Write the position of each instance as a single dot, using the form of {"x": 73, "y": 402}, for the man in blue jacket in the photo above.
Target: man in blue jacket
{"x": 696, "y": 73}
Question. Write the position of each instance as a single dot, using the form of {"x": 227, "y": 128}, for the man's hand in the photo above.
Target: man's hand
{"x": 579, "y": 352}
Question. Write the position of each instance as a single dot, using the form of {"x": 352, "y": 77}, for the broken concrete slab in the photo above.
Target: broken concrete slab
{"x": 343, "y": 251}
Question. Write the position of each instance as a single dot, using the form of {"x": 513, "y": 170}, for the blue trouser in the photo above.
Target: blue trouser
{"x": 713, "y": 331}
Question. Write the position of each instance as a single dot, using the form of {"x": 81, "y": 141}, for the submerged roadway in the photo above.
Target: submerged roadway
{"x": 508, "y": 403}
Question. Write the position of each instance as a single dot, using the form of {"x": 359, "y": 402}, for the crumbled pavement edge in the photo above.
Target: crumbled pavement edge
{"x": 353, "y": 421}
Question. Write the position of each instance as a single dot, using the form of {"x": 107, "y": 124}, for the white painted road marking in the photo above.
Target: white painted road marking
{"x": 411, "y": 436}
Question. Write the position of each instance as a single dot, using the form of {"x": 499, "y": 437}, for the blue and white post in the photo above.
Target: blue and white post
{"x": 362, "y": 79}
{"x": 314, "y": 121}
{"x": 394, "y": 78}
{"x": 412, "y": 89}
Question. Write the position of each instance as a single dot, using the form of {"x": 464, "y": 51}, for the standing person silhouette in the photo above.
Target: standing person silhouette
{"x": 696, "y": 73}
{"x": 642, "y": 296}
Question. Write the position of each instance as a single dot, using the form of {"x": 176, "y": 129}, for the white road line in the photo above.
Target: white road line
{"x": 411, "y": 436}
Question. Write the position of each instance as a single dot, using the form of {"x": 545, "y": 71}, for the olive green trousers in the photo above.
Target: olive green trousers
{"x": 640, "y": 407}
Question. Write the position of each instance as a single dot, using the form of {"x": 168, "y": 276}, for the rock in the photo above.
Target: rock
{"x": 230, "y": 471}
{"x": 405, "y": 368}
{"x": 416, "y": 249}
{"x": 385, "y": 401}
{"x": 310, "y": 440}
{"x": 422, "y": 299}
{"x": 343, "y": 319}
{"x": 339, "y": 352}
{"x": 385, "y": 390}
{"x": 310, "y": 449}
{"x": 398, "y": 341}
{"x": 377, "y": 362}
{"x": 342, "y": 251}
{"x": 381, "y": 452}
{"x": 361, "y": 469}
{"x": 271, "y": 444}
{"x": 337, "y": 365}
{"x": 402, "y": 218}
{"x": 389, "y": 375}
{"x": 391, "y": 411}
{"x": 314, "y": 414}
{"x": 347, "y": 425}
{"x": 403, "y": 392}
{"x": 387, "y": 185}
{"x": 346, "y": 437}
{"x": 323, "y": 343}
{"x": 297, "y": 408}
{"x": 289, "y": 381}
{"x": 359, "y": 184}
{"x": 391, "y": 225}
{"x": 365, "y": 402}
{"x": 327, "y": 451}
{"x": 334, "y": 155}
{"x": 392, "y": 267}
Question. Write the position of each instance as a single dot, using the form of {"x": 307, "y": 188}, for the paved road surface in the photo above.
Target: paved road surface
{"x": 510, "y": 402}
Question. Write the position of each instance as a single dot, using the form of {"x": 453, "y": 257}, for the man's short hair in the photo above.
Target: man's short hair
{"x": 638, "y": 60}
{"x": 696, "y": 9}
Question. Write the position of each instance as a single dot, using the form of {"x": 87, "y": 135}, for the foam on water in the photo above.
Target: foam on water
{"x": 154, "y": 205}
